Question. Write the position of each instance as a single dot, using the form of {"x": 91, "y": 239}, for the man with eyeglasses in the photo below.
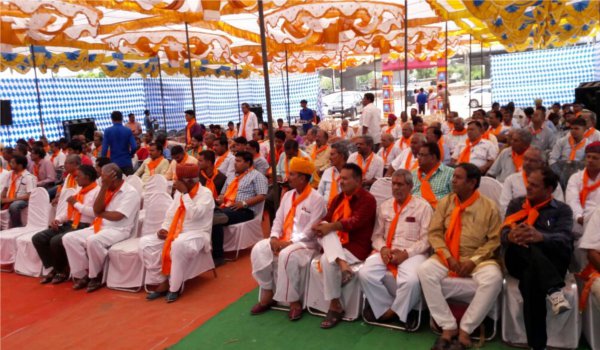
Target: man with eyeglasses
{"x": 432, "y": 180}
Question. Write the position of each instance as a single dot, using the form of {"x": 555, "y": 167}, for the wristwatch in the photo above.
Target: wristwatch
{"x": 245, "y": 204}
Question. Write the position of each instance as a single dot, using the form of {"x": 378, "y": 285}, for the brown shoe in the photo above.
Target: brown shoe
{"x": 295, "y": 314}
{"x": 81, "y": 283}
{"x": 259, "y": 308}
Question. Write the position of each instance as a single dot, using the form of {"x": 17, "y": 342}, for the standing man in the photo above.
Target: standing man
{"x": 192, "y": 128}
{"x": 465, "y": 235}
{"x": 538, "y": 248}
{"x": 345, "y": 234}
{"x": 148, "y": 121}
{"x": 370, "y": 119}
{"x": 120, "y": 141}
{"x": 135, "y": 127}
{"x": 307, "y": 116}
{"x": 249, "y": 122}
{"x": 422, "y": 101}
{"x": 370, "y": 163}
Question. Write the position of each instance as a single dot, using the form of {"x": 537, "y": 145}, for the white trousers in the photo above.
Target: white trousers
{"x": 403, "y": 298}
{"x": 87, "y": 250}
{"x": 332, "y": 275}
{"x": 288, "y": 269}
{"x": 489, "y": 284}
{"x": 184, "y": 249}
{"x": 596, "y": 291}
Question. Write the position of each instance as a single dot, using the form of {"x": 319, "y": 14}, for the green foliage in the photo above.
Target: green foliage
{"x": 91, "y": 74}
{"x": 425, "y": 73}
{"x": 477, "y": 72}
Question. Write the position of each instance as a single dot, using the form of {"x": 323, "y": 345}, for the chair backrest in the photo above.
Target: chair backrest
{"x": 3, "y": 176}
{"x": 156, "y": 184}
{"x": 62, "y": 205}
{"x": 136, "y": 182}
{"x": 156, "y": 208}
{"x": 38, "y": 213}
{"x": 491, "y": 188}
{"x": 382, "y": 189}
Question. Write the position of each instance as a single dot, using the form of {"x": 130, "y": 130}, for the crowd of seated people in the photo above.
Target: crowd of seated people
{"x": 435, "y": 223}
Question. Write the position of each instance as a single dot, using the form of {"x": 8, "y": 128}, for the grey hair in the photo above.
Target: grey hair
{"x": 342, "y": 149}
{"x": 590, "y": 114}
{"x": 419, "y": 136}
{"x": 368, "y": 140}
{"x": 314, "y": 131}
{"x": 115, "y": 168}
{"x": 406, "y": 174}
{"x": 524, "y": 134}
{"x": 410, "y": 125}
{"x": 73, "y": 158}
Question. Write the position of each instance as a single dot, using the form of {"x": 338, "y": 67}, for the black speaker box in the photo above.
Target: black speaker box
{"x": 85, "y": 127}
{"x": 588, "y": 94}
{"x": 258, "y": 110}
{"x": 5, "y": 113}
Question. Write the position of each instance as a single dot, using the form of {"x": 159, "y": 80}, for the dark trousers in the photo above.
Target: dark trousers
{"x": 235, "y": 217}
{"x": 421, "y": 108}
{"x": 49, "y": 246}
{"x": 127, "y": 170}
{"x": 539, "y": 268}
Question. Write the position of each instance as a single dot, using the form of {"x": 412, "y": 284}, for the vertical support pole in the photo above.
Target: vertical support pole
{"x": 342, "y": 82}
{"x": 446, "y": 75}
{"x": 37, "y": 89}
{"x": 470, "y": 65}
{"x": 187, "y": 41}
{"x": 237, "y": 90}
{"x": 162, "y": 93}
{"x": 287, "y": 79}
{"x": 375, "y": 77}
{"x": 405, "y": 57}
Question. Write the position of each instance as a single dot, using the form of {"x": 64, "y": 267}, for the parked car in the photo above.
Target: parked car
{"x": 332, "y": 104}
{"x": 481, "y": 97}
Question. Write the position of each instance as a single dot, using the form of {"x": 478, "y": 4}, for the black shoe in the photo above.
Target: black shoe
{"x": 220, "y": 261}
{"x": 81, "y": 283}
{"x": 155, "y": 295}
{"x": 48, "y": 278}
{"x": 60, "y": 278}
{"x": 368, "y": 314}
{"x": 172, "y": 297}
{"x": 95, "y": 284}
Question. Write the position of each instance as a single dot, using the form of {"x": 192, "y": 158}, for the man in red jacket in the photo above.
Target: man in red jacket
{"x": 345, "y": 235}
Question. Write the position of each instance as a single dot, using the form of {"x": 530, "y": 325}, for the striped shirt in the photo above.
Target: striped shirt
{"x": 252, "y": 184}
{"x": 440, "y": 181}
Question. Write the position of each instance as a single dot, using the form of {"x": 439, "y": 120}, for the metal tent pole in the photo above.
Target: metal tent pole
{"x": 287, "y": 79}
{"x": 263, "y": 45}
{"x": 237, "y": 90}
{"x": 375, "y": 77}
{"x": 342, "y": 83}
{"x": 37, "y": 90}
{"x": 162, "y": 93}
{"x": 187, "y": 41}
{"x": 470, "y": 65}
{"x": 405, "y": 57}
{"x": 446, "y": 75}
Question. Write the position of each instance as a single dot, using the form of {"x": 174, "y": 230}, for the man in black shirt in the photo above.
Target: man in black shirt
{"x": 210, "y": 177}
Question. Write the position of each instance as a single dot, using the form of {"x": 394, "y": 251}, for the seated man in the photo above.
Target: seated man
{"x": 432, "y": 180}
{"x": 583, "y": 189}
{"x": 435, "y": 135}
{"x": 259, "y": 162}
{"x": 405, "y": 136}
{"x": 79, "y": 215}
{"x": 329, "y": 186}
{"x": 319, "y": 152}
{"x": 225, "y": 158}
{"x": 457, "y": 136}
{"x": 285, "y": 255}
{"x": 370, "y": 163}
{"x": 590, "y": 242}
{"x": 568, "y": 152}
{"x": 210, "y": 177}
{"x": 238, "y": 202}
{"x": 156, "y": 164}
{"x": 475, "y": 150}
{"x": 43, "y": 169}
{"x": 538, "y": 248}
{"x": 345, "y": 237}
{"x": 15, "y": 195}
{"x": 465, "y": 234}
{"x": 388, "y": 150}
{"x": 290, "y": 150}
{"x": 408, "y": 159}
{"x": 115, "y": 208}
{"x": 400, "y": 237}
{"x": 344, "y": 132}
{"x": 510, "y": 160}
{"x": 185, "y": 233}
{"x": 179, "y": 157}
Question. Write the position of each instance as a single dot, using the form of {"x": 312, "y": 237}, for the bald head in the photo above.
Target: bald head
{"x": 532, "y": 159}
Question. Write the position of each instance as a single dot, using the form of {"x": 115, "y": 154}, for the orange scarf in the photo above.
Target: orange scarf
{"x": 174, "y": 231}
{"x": 54, "y": 155}
{"x": 288, "y": 223}
{"x": 518, "y": 160}
{"x": 36, "y": 171}
{"x": 497, "y": 130}
{"x": 333, "y": 191}
{"x": 386, "y": 152}
{"x": 12, "y": 190}
{"x": 232, "y": 189}
{"x": 404, "y": 141}
{"x": 454, "y": 230}
{"x": 529, "y": 213}
{"x": 71, "y": 183}
{"x": 221, "y": 159}
{"x": 108, "y": 196}
{"x": 343, "y": 133}
{"x": 465, "y": 155}
{"x": 97, "y": 151}
{"x": 73, "y": 213}
{"x": 408, "y": 164}
{"x": 486, "y": 135}
{"x": 459, "y": 133}
{"x": 230, "y": 133}
{"x": 589, "y": 276}
{"x": 246, "y": 116}
{"x": 359, "y": 159}
{"x": 152, "y": 164}
{"x": 392, "y": 231}
{"x": 343, "y": 211}
{"x": 316, "y": 152}
{"x": 585, "y": 191}
{"x": 534, "y": 131}
{"x": 389, "y": 129}
{"x": 589, "y": 132}
{"x": 575, "y": 148}
{"x": 210, "y": 182}
{"x": 426, "y": 191}
{"x": 188, "y": 131}
{"x": 441, "y": 147}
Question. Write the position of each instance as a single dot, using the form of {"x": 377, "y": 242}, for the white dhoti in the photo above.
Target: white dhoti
{"x": 184, "y": 249}
{"x": 401, "y": 299}
{"x": 285, "y": 273}
{"x": 489, "y": 284}
{"x": 88, "y": 251}
{"x": 332, "y": 274}
{"x": 596, "y": 291}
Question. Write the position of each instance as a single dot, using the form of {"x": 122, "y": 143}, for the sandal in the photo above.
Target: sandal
{"x": 332, "y": 319}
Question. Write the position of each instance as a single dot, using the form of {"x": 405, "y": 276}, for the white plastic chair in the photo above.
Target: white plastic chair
{"x": 491, "y": 188}
{"x": 27, "y": 261}
{"x": 314, "y": 297}
{"x": 136, "y": 183}
{"x": 563, "y": 330}
{"x": 382, "y": 189}
{"x": 245, "y": 234}
{"x": 591, "y": 322}
{"x": 39, "y": 205}
{"x": 125, "y": 270}
{"x": 156, "y": 184}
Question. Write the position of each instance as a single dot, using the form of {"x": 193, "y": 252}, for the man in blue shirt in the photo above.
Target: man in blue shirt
{"x": 422, "y": 101}
{"x": 307, "y": 116}
{"x": 121, "y": 143}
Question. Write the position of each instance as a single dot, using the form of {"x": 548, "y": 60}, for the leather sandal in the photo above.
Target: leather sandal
{"x": 441, "y": 344}
{"x": 295, "y": 314}
{"x": 259, "y": 308}
{"x": 332, "y": 319}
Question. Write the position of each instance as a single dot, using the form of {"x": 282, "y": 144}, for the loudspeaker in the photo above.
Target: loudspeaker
{"x": 84, "y": 127}
{"x": 588, "y": 94}
{"x": 5, "y": 113}
{"x": 258, "y": 110}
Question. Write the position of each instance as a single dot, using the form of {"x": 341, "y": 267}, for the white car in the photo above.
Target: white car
{"x": 332, "y": 104}
{"x": 481, "y": 97}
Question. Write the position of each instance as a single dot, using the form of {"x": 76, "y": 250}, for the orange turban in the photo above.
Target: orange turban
{"x": 302, "y": 165}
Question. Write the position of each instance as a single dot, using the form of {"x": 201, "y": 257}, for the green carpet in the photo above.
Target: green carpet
{"x": 234, "y": 328}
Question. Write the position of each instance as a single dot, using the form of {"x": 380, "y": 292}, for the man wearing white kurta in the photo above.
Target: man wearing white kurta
{"x": 249, "y": 122}
{"x": 590, "y": 242}
{"x": 285, "y": 256}
{"x": 583, "y": 189}
{"x": 370, "y": 163}
{"x": 370, "y": 118}
{"x": 184, "y": 234}
{"x": 408, "y": 159}
{"x": 475, "y": 150}
{"x": 87, "y": 249}
{"x": 344, "y": 132}
{"x": 403, "y": 252}
{"x": 329, "y": 186}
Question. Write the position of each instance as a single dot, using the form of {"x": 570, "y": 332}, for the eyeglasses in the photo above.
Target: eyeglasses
{"x": 423, "y": 155}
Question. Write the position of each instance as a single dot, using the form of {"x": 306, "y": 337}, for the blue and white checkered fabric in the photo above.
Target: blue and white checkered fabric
{"x": 72, "y": 98}
{"x": 551, "y": 75}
